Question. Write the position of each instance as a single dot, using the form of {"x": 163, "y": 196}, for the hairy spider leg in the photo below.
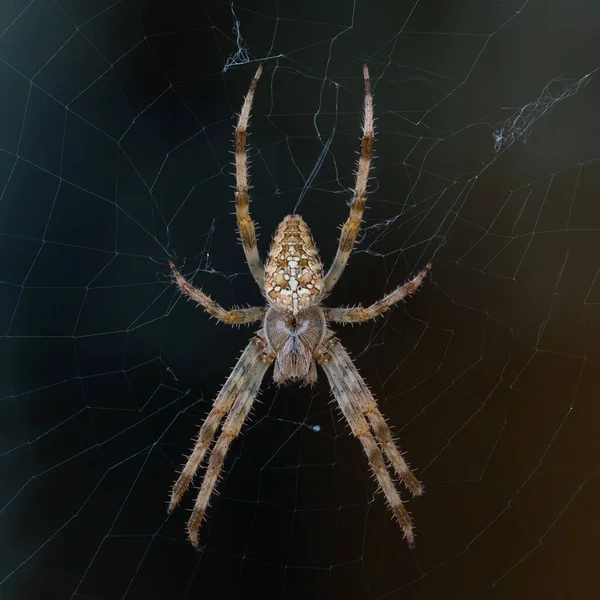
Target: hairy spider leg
{"x": 367, "y": 424}
{"x": 233, "y": 403}
{"x": 237, "y": 316}
{"x": 231, "y": 428}
{"x": 357, "y": 204}
{"x": 360, "y": 314}
{"x": 242, "y": 196}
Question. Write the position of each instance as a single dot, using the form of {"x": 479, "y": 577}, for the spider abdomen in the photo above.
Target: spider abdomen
{"x": 293, "y": 272}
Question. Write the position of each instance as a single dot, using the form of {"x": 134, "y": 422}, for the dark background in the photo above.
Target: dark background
{"x": 116, "y": 122}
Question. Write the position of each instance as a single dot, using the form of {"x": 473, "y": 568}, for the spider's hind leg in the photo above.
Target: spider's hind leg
{"x": 242, "y": 196}
{"x": 359, "y": 199}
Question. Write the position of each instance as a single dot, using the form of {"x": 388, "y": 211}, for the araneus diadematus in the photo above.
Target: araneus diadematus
{"x": 294, "y": 334}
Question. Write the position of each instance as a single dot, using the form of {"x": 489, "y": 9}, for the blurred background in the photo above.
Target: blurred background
{"x": 116, "y": 132}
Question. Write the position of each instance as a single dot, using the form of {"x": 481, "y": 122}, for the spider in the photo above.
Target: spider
{"x": 294, "y": 334}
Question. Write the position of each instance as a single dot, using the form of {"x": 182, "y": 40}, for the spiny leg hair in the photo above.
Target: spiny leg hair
{"x": 242, "y": 197}
{"x": 359, "y": 314}
{"x": 235, "y": 400}
{"x": 238, "y": 316}
{"x": 222, "y": 405}
{"x": 357, "y": 205}
{"x": 360, "y": 409}
{"x": 360, "y": 395}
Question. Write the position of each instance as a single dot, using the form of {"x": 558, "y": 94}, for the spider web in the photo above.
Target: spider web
{"x": 115, "y": 139}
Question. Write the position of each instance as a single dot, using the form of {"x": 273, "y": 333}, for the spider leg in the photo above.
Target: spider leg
{"x": 360, "y": 410}
{"x": 363, "y": 399}
{"x": 248, "y": 387}
{"x": 231, "y": 390}
{"x": 235, "y": 400}
{"x": 242, "y": 197}
{"x": 357, "y": 205}
{"x": 359, "y": 314}
{"x": 238, "y": 316}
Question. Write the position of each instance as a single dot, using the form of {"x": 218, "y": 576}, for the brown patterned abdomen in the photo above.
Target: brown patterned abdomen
{"x": 293, "y": 272}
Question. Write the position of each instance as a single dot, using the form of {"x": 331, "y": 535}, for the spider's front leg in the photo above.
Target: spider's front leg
{"x": 238, "y": 316}
{"x": 367, "y": 423}
{"x": 232, "y": 404}
{"x": 360, "y": 314}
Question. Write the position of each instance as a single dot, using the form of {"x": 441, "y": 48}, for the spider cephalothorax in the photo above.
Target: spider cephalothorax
{"x": 294, "y": 341}
{"x": 294, "y": 335}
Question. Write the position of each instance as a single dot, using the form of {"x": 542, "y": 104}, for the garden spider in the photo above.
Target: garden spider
{"x": 294, "y": 335}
